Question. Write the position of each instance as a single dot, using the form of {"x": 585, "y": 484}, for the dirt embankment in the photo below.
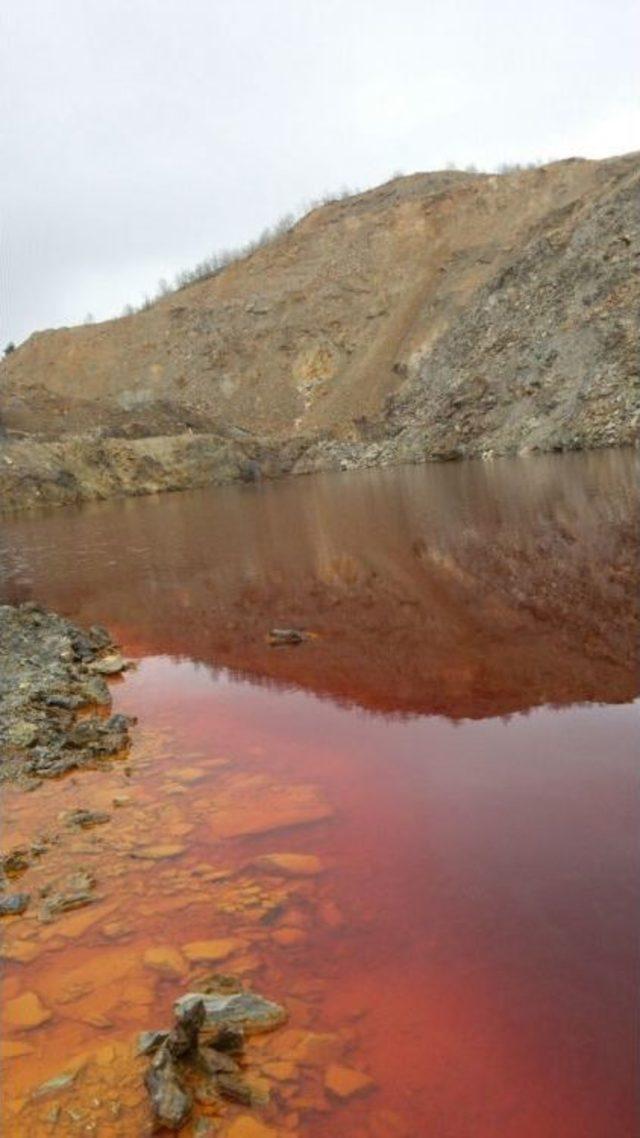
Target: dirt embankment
{"x": 438, "y": 316}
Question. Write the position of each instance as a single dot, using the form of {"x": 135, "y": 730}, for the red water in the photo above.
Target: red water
{"x": 467, "y": 715}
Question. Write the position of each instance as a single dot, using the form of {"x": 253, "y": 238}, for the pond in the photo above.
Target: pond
{"x": 453, "y": 749}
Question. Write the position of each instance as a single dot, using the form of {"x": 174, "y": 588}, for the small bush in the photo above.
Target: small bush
{"x": 10, "y": 347}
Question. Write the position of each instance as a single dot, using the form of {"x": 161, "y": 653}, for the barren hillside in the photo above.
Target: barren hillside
{"x": 440, "y": 315}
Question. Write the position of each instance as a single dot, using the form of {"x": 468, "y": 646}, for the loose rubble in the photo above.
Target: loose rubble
{"x": 49, "y": 678}
{"x": 202, "y": 1054}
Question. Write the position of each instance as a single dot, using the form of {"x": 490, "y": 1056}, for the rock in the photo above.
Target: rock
{"x": 281, "y": 1070}
{"x": 21, "y": 950}
{"x": 170, "y": 1101}
{"x": 13, "y": 904}
{"x": 150, "y": 1041}
{"x": 281, "y": 636}
{"x": 95, "y": 690}
{"x": 108, "y": 665}
{"x": 100, "y": 637}
{"x": 182, "y": 1040}
{"x": 246, "y": 1010}
{"x": 248, "y": 1092}
{"x": 16, "y": 861}
{"x": 22, "y": 734}
{"x": 229, "y": 1039}
{"x": 345, "y": 1082}
{"x": 245, "y": 1126}
{"x": 215, "y": 1062}
{"x": 289, "y": 937}
{"x": 289, "y": 864}
{"x": 84, "y": 819}
{"x": 331, "y": 915}
{"x": 254, "y": 805}
{"x": 188, "y": 774}
{"x": 211, "y": 951}
{"x": 204, "y": 1129}
{"x": 164, "y": 958}
{"x": 159, "y": 852}
{"x": 309, "y": 1048}
{"x": 11, "y": 1049}
{"x": 78, "y": 891}
{"x": 25, "y": 1012}
{"x": 57, "y": 1083}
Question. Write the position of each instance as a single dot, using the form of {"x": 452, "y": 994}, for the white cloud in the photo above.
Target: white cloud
{"x": 144, "y": 136}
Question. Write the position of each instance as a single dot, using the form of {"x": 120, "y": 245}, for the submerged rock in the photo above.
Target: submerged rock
{"x": 345, "y": 1082}
{"x": 84, "y": 819}
{"x": 289, "y": 864}
{"x": 15, "y": 861}
{"x": 25, "y": 1012}
{"x": 57, "y": 1083}
{"x": 281, "y": 636}
{"x": 211, "y": 951}
{"x": 14, "y": 904}
{"x": 77, "y": 892}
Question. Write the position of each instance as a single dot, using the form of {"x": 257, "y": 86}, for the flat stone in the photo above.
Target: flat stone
{"x": 246, "y": 1010}
{"x": 253, "y": 806}
{"x": 11, "y": 1049}
{"x": 165, "y": 958}
{"x": 245, "y": 1126}
{"x": 211, "y": 951}
{"x": 281, "y": 1070}
{"x": 345, "y": 1082}
{"x": 84, "y": 819}
{"x": 12, "y": 904}
{"x": 290, "y": 864}
{"x": 188, "y": 774}
{"x": 289, "y": 937}
{"x": 21, "y": 950}
{"x": 159, "y": 852}
{"x": 306, "y": 1048}
{"x": 248, "y": 1091}
{"x": 109, "y": 665}
{"x": 57, "y": 1083}
{"x": 280, "y": 636}
{"x": 25, "y": 1011}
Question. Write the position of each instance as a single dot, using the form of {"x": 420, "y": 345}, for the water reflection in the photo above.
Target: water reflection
{"x": 471, "y": 943}
{"x": 466, "y": 590}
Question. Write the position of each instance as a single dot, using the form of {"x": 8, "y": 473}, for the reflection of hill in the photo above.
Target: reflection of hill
{"x": 469, "y": 591}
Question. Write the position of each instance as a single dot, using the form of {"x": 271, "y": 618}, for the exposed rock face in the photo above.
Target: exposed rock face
{"x": 438, "y": 316}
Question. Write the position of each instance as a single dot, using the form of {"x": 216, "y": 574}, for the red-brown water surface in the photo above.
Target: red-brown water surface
{"x": 463, "y": 729}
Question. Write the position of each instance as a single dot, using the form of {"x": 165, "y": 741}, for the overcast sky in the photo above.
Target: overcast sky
{"x": 138, "y": 136}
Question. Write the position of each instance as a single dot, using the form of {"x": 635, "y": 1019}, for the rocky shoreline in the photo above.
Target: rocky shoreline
{"x": 54, "y": 697}
{"x": 207, "y": 1074}
{"x": 54, "y": 718}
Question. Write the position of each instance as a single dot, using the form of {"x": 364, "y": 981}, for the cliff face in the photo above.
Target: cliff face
{"x": 440, "y": 315}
